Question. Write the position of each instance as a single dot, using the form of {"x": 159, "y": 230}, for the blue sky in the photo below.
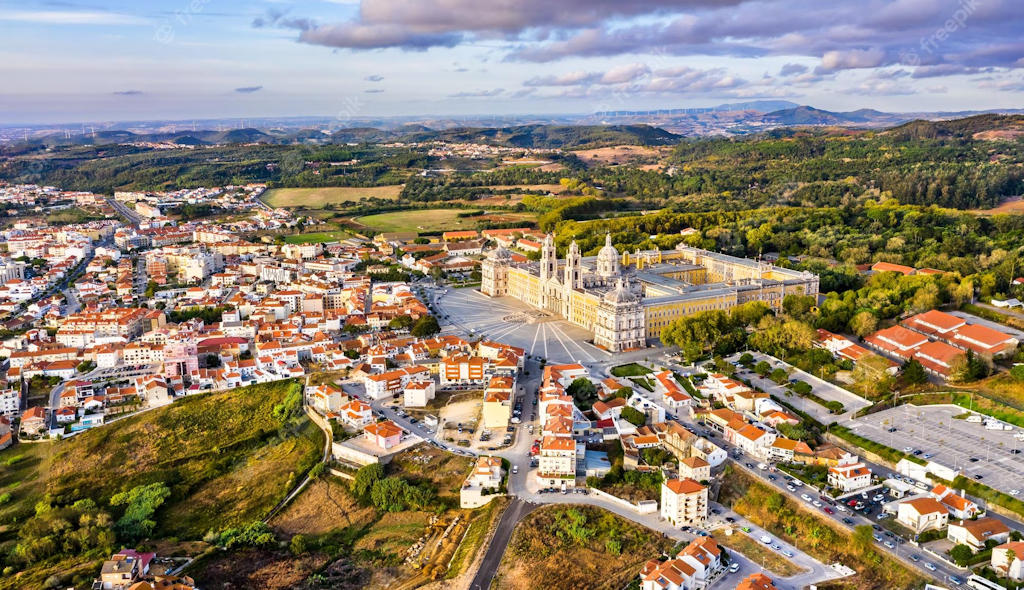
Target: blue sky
{"x": 71, "y": 60}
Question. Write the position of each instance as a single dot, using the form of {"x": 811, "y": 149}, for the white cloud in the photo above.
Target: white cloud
{"x": 68, "y": 17}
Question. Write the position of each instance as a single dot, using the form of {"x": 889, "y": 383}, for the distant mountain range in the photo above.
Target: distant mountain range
{"x": 640, "y": 127}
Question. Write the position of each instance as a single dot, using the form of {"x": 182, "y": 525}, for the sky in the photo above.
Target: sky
{"x": 108, "y": 60}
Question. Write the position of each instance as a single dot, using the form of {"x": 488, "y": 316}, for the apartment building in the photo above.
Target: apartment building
{"x": 684, "y": 501}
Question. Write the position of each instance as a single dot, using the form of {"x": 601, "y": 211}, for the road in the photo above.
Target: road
{"x": 515, "y": 512}
{"x": 125, "y": 211}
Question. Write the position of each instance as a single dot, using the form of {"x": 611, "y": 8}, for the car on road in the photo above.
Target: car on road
{"x": 1014, "y": 492}
{"x": 929, "y": 566}
{"x": 908, "y": 449}
{"x": 745, "y": 529}
{"x": 848, "y": 521}
{"x": 787, "y": 553}
{"x": 766, "y": 539}
{"x": 730, "y": 519}
{"x": 735, "y": 567}
{"x": 955, "y": 580}
{"x": 791, "y": 488}
{"x": 828, "y": 510}
{"x": 877, "y": 537}
{"x": 777, "y": 547}
{"x": 805, "y": 497}
{"x": 977, "y": 476}
{"x": 515, "y": 469}
{"x": 772, "y": 478}
{"x": 889, "y": 545}
{"x": 915, "y": 557}
{"x": 816, "y": 503}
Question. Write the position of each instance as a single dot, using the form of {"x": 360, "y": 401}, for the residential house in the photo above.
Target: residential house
{"x": 33, "y": 421}
{"x": 385, "y": 435}
{"x": 849, "y": 474}
{"x": 556, "y": 464}
{"x": 694, "y": 468}
{"x": 922, "y": 514}
{"x": 498, "y": 400}
{"x": 690, "y": 569}
{"x": 356, "y": 413}
{"x": 419, "y": 393}
{"x": 957, "y": 505}
{"x": 326, "y": 398}
{"x": 1008, "y": 560}
{"x": 975, "y": 533}
{"x": 786, "y": 450}
{"x": 757, "y": 582}
{"x": 486, "y": 475}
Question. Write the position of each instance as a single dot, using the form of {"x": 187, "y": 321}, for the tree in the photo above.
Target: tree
{"x": 802, "y": 388}
{"x": 633, "y": 416}
{"x": 142, "y": 502}
{"x": 364, "y": 479}
{"x": 1017, "y": 372}
{"x": 626, "y": 392}
{"x": 746, "y": 359}
{"x": 425, "y": 326}
{"x": 150, "y": 289}
{"x": 961, "y": 554}
{"x": 298, "y": 545}
{"x": 762, "y": 368}
{"x": 402, "y": 322}
{"x": 779, "y": 375}
{"x": 913, "y": 372}
{"x": 863, "y": 323}
{"x": 583, "y": 391}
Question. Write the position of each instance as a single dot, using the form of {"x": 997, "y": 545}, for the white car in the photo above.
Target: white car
{"x": 840, "y": 508}
{"x": 929, "y": 565}
{"x": 908, "y": 449}
{"x": 878, "y": 498}
{"x": 805, "y": 497}
{"x": 766, "y": 539}
{"x": 787, "y": 553}
{"x": 735, "y": 567}
{"x": 816, "y": 503}
{"x": 1014, "y": 492}
{"x": 515, "y": 469}
{"x": 791, "y": 488}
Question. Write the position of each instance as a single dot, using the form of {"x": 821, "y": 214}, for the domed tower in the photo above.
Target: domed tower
{"x": 608, "y": 259}
{"x": 494, "y": 273}
{"x": 620, "y": 323}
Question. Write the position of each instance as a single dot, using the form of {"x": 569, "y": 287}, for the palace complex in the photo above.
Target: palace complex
{"x": 627, "y": 299}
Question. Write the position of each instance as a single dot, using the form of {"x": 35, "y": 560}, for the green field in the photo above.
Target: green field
{"x": 316, "y": 198}
{"x": 316, "y": 237}
{"x": 421, "y": 220}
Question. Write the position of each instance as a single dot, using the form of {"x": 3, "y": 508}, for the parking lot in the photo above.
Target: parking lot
{"x": 993, "y": 457}
{"x": 821, "y": 388}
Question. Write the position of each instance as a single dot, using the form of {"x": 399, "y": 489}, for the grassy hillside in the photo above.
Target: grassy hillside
{"x": 227, "y": 457}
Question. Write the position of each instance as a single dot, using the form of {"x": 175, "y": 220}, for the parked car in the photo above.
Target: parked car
{"x": 805, "y": 497}
{"x": 929, "y": 566}
{"x": 734, "y": 567}
{"x": 915, "y": 557}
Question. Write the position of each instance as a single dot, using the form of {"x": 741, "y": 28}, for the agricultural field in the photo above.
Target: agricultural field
{"x": 578, "y": 547}
{"x": 428, "y": 220}
{"x": 316, "y": 198}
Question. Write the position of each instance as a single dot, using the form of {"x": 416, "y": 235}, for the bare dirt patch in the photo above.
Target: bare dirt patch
{"x": 622, "y": 154}
{"x": 1011, "y": 205}
{"x": 325, "y": 506}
